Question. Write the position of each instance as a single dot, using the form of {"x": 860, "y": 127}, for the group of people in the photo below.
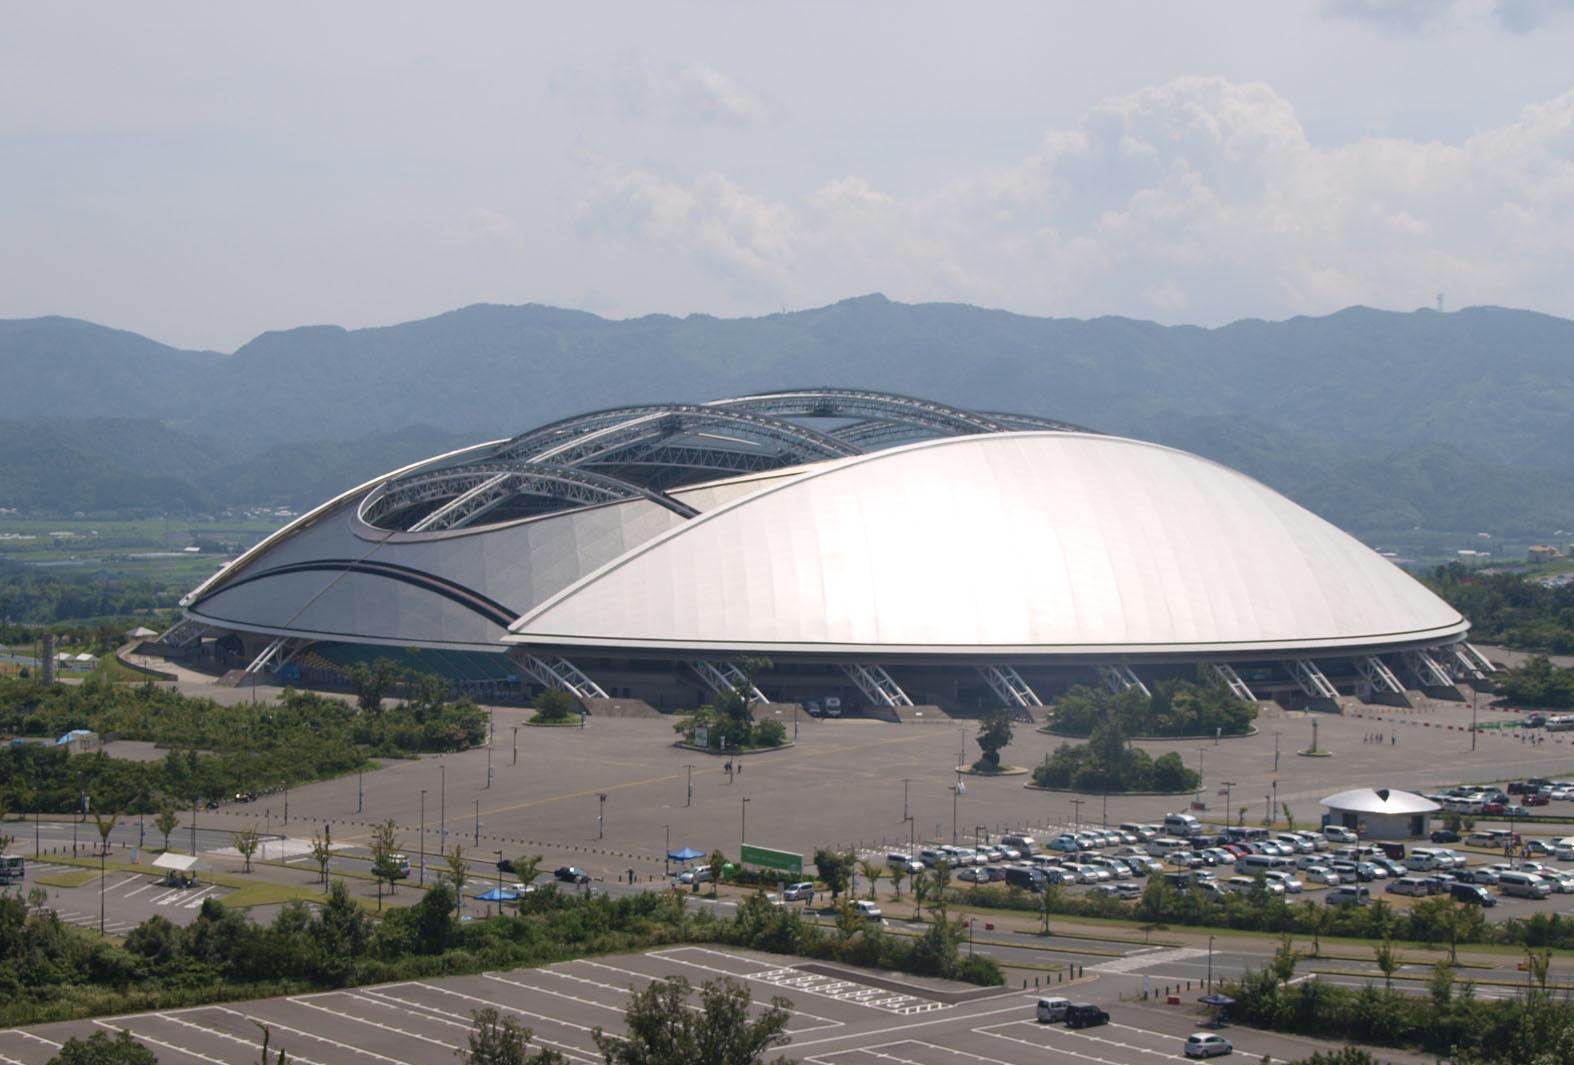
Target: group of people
{"x": 1377, "y": 737}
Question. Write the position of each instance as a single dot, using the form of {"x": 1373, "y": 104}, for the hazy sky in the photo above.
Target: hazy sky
{"x": 203, "y": 172}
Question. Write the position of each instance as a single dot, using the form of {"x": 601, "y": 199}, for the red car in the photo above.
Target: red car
{"x": 1494, "y": 808}
{"x": 1533, "y": 798}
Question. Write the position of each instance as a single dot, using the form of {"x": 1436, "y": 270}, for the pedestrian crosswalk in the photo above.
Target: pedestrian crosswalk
{"x": 1148, "y": 959}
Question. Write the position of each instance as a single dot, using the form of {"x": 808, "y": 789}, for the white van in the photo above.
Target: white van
{"x": 1052, "y": 1010}
{"x": 1166, "y": 846}
{"x": 1183, "y": 825}
{"x": 1422, "y": 860}
{"x": 1253, "y": 864}
{"x": 1524, "y": 885}
{"x": 1025, "y": 844}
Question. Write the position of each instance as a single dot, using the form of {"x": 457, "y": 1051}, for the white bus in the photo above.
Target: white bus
{"x": 12, "y": 868}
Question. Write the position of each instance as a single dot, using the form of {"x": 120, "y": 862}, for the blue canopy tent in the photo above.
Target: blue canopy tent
{"x": 687, "y": 854}
{"x": 497, "y": 895}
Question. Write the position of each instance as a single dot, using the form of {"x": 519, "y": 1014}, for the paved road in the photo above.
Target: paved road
{"x": 838, "y": 1017}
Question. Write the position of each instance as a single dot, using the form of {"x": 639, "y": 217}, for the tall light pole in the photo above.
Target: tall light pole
{"x": 956, "y": 789}
{"x": 666, "y": 858}
{"x": 422, "y": 847}
{"x": 442, "y": 808}
{"x": 905, "y": 810}
{"x": 360, "y": 790}
{"x": 1228, "y": 806}
{"x": 1104, "y": 815}
{"x": 1276, "y": 752}
{"x": 1472, "y": 717}
{"x": 601, "y": 814}
{"x": 1076, "y": 816}
{"x": 689, "y": 799}
{"x": 478, "y": 822}
{"x": 912, "y": 837}
{"x": 743, "y": 828}
{"x": 489, "y": 765}
{"x": 1210, "y": 963}
{"x": 499, "y": 854}
{"x": 516, "y": 745}
{"x": 1275, "y": 805}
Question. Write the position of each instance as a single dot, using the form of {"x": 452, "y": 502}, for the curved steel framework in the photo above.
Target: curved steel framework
{"x": 636, "y": 452}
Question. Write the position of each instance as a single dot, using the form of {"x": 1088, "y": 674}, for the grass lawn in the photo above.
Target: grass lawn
{"x": 75, "y": 878}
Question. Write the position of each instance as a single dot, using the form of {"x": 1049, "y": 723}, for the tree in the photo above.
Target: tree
{"x": 1284, "y": 960}
{"x": 994, "y": 733}
{"x": 166, "y": 822}
{"x": 871, "y": 871}
{"x": 456, "y": 874}
{"x": 664, "y": 1030}
{"x": 717, "y": 862}
{"x": 385, "y": 864}
{"x": 100, "y": 1049}
{"x": 498, "y": 1040}
{"x": 246, "y": 843}
{"x": 371, "y": 683}
{"x": 267, "y": 1035}
{"x": 526, "y": 867}
{"x": 554, "y": 704}
{"x": 1314, "y": 918}
{"x": 1440, "y": 984}
{"x": 898, "y": 874}
{"x": 834, "y": 869}
{"x": 105, "y": 826}
{"x": 941, "y": 875}
{"x": 322, "y": 851}
{"x": 1387, "y": 962}
{"x": 1289, "y": 818}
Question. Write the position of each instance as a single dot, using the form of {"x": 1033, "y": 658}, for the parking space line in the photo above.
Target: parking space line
{"x": 371, "y": 1023}
{"x": 568, "y": 1049}
{"x": 197, "y": 899}
{"x": 32, "y": 1035}
{"x": 878, "y": 1051}
{"x": 130, "y": 879}
{"x": 948, "y": 1019}
{"x": 140, "y": 890}
{"x": 987, "y": 1030}
{"x": 216, "y": 1033}
{"x": 140, "y": 1037}
{"x": 312, "y": 1035}
{"x": 11, "y": 1061}
{"x": 829, "y": 1022}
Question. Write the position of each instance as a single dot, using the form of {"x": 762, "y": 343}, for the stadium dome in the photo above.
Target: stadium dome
{"x": 658, "y": 543}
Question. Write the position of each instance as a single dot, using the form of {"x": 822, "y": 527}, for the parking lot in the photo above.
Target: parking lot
{"x": 128, "y": 898}
{"x": 838, "y": 1017}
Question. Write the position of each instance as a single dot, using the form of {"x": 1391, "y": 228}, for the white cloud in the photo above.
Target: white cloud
{"x": 1199, "y": 197}
{"x": 483, "y": 223}
{"x": 712, "y": 94}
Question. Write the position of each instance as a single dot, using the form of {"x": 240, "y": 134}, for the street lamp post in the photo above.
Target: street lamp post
{"x": 103, "y": 849}
{"x": 1210, "y": 963}
{"x": 1275, "y": 804}
{"x": 442, "y": 808}
{"x": 1472, "y": 717}
{"x": 956, "y": 789}
{"x": 516, "y": 745}
{"x": 422, "y": 846}
{"x": 666, "y": 857}
{"x": 360, "y": 790}
{"x": 912, "y": 836}
{"x": 286, "y": 802}
{"x": 499, "y": 854}
{"x": 1104, "y": 816}
{"x": 1276, "y": 752}
{"x": 1076, "y": 816}
{"x": 743, "y": 828}
{"x": 478, "y": 822}
{"x": 1228, "y": 806}
{"x": 905, "y": 810}
{"x": 489, "y": 765}
{"x": 601, "y": 814}
{"x": 689, "y": 798}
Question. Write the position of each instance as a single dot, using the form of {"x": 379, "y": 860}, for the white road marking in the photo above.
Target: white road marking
{"x": 1147, "y": 960}
{"x": 250, "y": 1043}
{"x": 374, "y": 1024}
{"x": 568, "y": 1049}
{"x": 159, "y": 1042}
{"x": 312, "y": 1035}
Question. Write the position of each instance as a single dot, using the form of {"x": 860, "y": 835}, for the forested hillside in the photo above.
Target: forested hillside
{"x": 1377, "y": 420}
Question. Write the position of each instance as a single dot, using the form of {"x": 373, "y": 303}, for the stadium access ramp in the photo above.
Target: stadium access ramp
{"x": 724, "y": 677}
{"x": 1376, "y": 673}
{"x": 555, "y": 671}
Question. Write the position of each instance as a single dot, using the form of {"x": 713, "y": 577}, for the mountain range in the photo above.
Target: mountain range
{"x": 1378, "y": 420}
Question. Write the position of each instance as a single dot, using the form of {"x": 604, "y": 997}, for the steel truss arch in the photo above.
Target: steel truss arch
{"x": 579, "y": 439}
{"x": 857, "y": 403}
{"x": 476, "y": 487}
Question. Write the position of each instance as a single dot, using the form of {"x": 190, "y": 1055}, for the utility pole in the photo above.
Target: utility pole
{"x": 1276, "y": 752}
{"x": 478, "y": 822}
{"x": 442, "y": 807}
{"x": 516, "y": 745}
{"x": 905, "y": 810}
{"x": 1076, "y": 817}
{"x": 743, "y": 829}
{"x": 360, "y": 789}
{"x": 601, "y": 814}
{"x": 1472, "y": 717}
{"x": 194, "y": 803}
{"x": 423, "y": 838}
{"x": 689, "y": 801}
{"x": 1228, "y": 807}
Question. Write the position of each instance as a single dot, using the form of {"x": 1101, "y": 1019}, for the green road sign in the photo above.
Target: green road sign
{"x": 764, "y": 856}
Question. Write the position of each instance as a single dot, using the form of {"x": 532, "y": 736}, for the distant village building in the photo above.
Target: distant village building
{"x": 1544, "y": 553}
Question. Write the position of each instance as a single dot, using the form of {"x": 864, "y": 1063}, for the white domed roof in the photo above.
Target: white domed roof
{"x": 1386, "y": 801}
{"x": 1027, "y": 542}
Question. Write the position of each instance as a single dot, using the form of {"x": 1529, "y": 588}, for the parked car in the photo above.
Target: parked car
{"x": 573, "y": 874}
{"x": 1444, "y": 835}
{"x": 1340, "y": 834}
{"x": 1207, "y": 1045}
{"x": 1533, "y": 798}
{"x": 1349, "y": 895}
{"x": 1085, "y": 1015}
{"x": 867, "y": 910}
{"x": 803, "y": 891}
{"x": 1474, "y": 894}
{"x": 1291, "y": 885}
{"x": 1051, "y": 1010}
